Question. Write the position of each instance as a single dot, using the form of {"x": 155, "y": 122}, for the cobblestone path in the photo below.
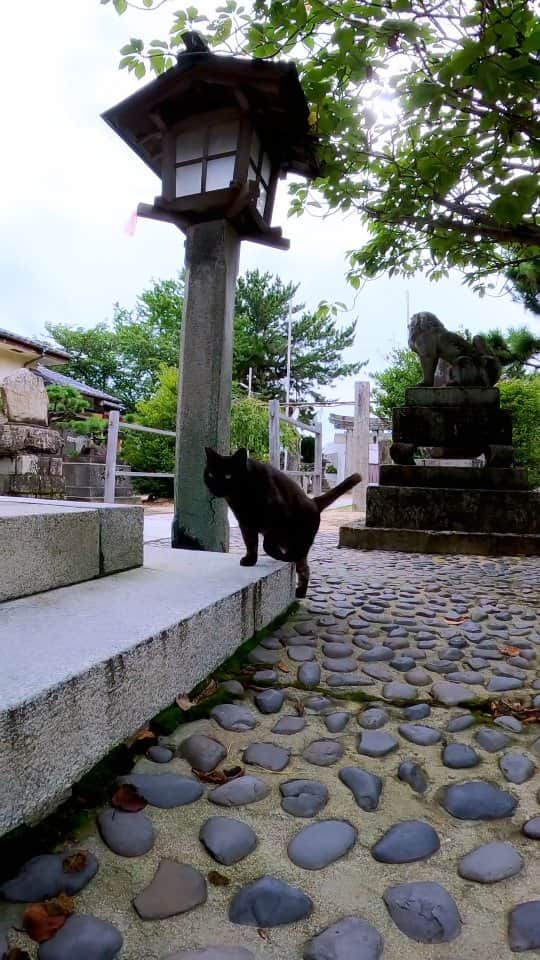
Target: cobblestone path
{"x": 384, "y": 807}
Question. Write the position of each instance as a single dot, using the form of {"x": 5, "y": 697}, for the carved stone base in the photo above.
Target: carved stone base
{"x": 30, "y": 461}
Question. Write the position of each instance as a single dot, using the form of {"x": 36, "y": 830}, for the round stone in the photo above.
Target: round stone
{"x": 524, "y": 926}
{"x": 48, "y": 875}
{"x": 366, "y": 787}
{"x": 202, "y": 753}
{"x": 463, "y": 722}
{"x": 459, "y": 756}
{"x": 321, "y": 843}
{"x": 490, "y": 739}
{"x": 323, "y": 753}
{"x": 418, "y": 711}
{"x": 500, "y": 684}
{"x": 160, "y": 754}
{"x": 127, "y": 834}
{"x": 531, "y": 829}
{"x": 373, "y": 718}
{"x": 83, "y": 936}
{"x": 349, "y": 680}
{"x": 402, "y": 664}
{"x": 467, "y": 676}
{"x": 267, "y": 755}
{"x": 165, "y": 790}
{"x": 236, "y": 793}
{"x": 301, "y": 653}
{"x": 262, "y": 657}
{"x": 349, "y": 939}
{"x": 412, "y": 773}
{"x": 303, "y": 798}
{"x": 336, "y": 722}
{"x": 265, "y": 677}
{"x": 423, "y": 911}
{"x": 376, "y": 743}
{"x": 233, "y": 716}
{"x": 406, "y": 842}
{"x": 491, "y": 862}
{"x": 318, "y": 702}
{"x": 227, "y": 840}
{"x": 345, "y": 665}
{"x": 338, "y": 650}
{"x": 478, "y": 800}
{"x": 396, "y": 690}
{"x": 289, "y": 725}
{"x": 419, "y": 733}
{"x": 234, "y": 687}
{"x": 376, "y": 653}
{"x": 516, "y": 767}
{"x": 378, "y": 671}
{"x": 269, "y": 902}
{"x": 451, "y": 694}
{"x": 269, "y": 701}
{"x": 175, "y": 888}
{"x": 418, "y": 677}
{"x": 309, "y": 674}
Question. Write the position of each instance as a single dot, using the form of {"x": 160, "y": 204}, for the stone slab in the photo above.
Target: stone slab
{"x": 482, "y": 478}
{"x": 439, "y": 541}
{"x": 46, "y": 544}
{"x": 451, "y": 426}
{"x": 451, "y": 396}
{"x": 426, "y": 508}
{"x": 86, "y": 665}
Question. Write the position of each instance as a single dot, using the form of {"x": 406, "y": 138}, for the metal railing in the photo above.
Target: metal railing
{"x": 111, "y": 469}
{"x": 275, "y": 419}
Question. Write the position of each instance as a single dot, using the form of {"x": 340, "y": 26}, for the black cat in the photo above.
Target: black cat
{"x": 265, "y": 500}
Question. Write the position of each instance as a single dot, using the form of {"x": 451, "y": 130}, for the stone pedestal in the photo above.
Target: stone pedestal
{"x": 452, "y": 509}
{"x": 30, "y": 461}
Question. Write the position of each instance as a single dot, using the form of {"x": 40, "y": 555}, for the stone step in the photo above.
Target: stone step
{"x": 85, "y": 666}
{"x": 441, "y": 542}
{"x": 482, "y": 478}
{"x": 45, "y": 544}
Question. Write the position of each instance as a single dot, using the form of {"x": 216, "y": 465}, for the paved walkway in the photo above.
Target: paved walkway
{"x": 385, "y": 807}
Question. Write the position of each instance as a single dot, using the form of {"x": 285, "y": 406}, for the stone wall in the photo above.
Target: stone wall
{"x": 30, "y": 452}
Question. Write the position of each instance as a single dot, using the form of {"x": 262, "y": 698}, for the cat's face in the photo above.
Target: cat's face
{"x": 222, "y": 474}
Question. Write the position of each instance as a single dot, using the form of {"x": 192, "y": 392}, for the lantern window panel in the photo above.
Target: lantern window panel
{"x": 223, "y": 138}
{"x": 261, "y": 202}
{"x": 190, "y": 145}
{"x": 189, "y": 179}
{"x": 219, "y": 173}
{"x": 265, "y": 169}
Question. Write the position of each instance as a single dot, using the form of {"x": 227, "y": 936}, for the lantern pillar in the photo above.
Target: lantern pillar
{"x": 205, "y": 386}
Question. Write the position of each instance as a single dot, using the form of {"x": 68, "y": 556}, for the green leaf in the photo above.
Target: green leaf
{"x": 120, "y": 6}
{"x": 423, "y": 93}
{"x": 192, "y": 13}
{"x": 140, "y": 70}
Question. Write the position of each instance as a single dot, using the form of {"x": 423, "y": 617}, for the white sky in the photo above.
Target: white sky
{"x": 70, "y": 185}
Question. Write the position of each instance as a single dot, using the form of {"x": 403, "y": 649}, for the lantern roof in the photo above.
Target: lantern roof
{"x": 202, "y": 81}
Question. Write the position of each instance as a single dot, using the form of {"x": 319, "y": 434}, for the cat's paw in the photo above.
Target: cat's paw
{"x": 301, "y": 592}
{"x": 248, "y": 561}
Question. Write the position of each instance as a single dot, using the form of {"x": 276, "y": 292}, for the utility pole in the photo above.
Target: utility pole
{"x": 288, "y": 380}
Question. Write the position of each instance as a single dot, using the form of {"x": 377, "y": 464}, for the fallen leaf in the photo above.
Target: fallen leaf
{"x": 209, "y": 690}
{"x": 142, "y": 739}
{"x": 510, "y": 651}
{"x": 218, "y": 879}
{"x": 283, "y": 667}
{"x": 455, "y": 622}
{"x": 248, "y": 671}
{"x": 299, "y": 707}
{"x": 126, "y": 797}
{"x": 505, "y": 707}
{"x": 184, "y": 702}
{"x": 42, "y": 920}
{"x": 264, "y": 935}
{"x": 75, "y": 862}
{"x": 233, "y": 772}
{"x": 212, "y": 776}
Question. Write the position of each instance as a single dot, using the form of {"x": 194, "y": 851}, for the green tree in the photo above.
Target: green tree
{"x": 403, "y": 371}
{"x": 152, "y": 453}
{"x": 260, "y": 340}
{"x": 427, "y": 114}
{"x": 123, "y": 358}
{"x": 518, "y": 350}
{"x": 64, "y": 403}
{"x": 522, "y": 397}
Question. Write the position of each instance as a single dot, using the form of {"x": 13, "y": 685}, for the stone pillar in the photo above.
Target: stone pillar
{"x": 30, "y": 452}
{"x": 361, "y": 443}
{"x": 204, "y": 401}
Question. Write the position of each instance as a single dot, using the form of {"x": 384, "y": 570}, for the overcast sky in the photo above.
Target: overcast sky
{"x": 70, "y": 185}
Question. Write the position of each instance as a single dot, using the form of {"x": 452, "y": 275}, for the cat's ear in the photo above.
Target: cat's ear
{"x": 211, "y": 455}
{"x": 240, "y": 457}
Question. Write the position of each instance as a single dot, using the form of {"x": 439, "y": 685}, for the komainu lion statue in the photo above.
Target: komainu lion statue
{"x": 448, "y": 359}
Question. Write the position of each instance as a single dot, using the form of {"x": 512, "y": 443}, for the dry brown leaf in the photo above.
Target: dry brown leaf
{"x": 454, "y": 622}
{"x": 209, "y": 690}
{"x": 218, "y": 879}
{"x": 128, "y": 798}
{"x": 283, "y": 667}
{"x": 233, "y": 772}
{"x": 42, "y": 920}
{"x": 212, "y": 776}
{"x": 184, "y": 702}
{"x": 299, "y": 707}
{"x": 75, "y": 862}
{"x": 506, "y": 707}
{"x": 264, "y": 935}
{"x": 510, "y": 651}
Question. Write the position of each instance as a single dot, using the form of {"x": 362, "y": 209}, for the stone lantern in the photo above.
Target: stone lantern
{"x": 219, "y": 132}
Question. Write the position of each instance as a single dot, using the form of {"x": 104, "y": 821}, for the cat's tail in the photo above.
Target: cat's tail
{"x": 325, "y": 499}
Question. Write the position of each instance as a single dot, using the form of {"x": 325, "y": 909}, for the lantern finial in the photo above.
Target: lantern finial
{"x": 194, "y": 43}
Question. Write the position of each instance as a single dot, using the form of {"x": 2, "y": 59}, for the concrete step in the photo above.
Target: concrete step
{"x": 85, "y": 666}
{"x": 442, "y": 542}
{"x": 45, "y": 544}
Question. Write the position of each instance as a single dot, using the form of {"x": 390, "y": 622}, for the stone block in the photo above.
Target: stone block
{"x": 471, "y": 428}
{"x": 19, "y": 438}
{"x": 88, "y": 665}
{"x": 485, "y": 478}
{"x": 121, "y": 538}
{"x": 451, "y": 396}
{"x": 442, "y": 542}
{"x": 425, "y": 508}
{"x": 24, "y": 399}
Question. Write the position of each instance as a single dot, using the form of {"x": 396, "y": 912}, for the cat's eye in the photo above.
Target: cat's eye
{"x": 210, "y": 476}
{"x": 228, "y": 476}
